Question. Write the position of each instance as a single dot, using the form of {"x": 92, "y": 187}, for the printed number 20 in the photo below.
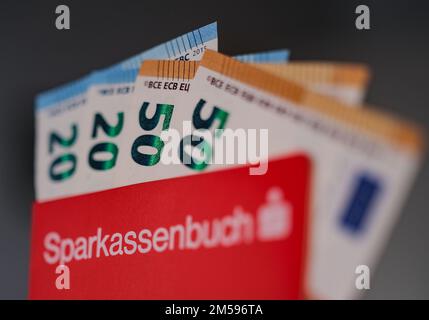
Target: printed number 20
{"x": 105, "y": 147}
{"x": 65, "y": 159}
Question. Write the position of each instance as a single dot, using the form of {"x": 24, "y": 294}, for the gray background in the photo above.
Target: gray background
{"x": 34, "y": 56}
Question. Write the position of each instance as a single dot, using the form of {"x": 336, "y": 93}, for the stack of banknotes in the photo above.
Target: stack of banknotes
{"x": 184, "y": 173}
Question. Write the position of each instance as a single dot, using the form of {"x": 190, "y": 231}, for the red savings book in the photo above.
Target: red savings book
{"x": 218, "y": 235}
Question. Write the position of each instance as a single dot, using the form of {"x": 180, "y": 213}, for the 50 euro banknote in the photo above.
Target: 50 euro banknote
{"x": 364, "y": 161}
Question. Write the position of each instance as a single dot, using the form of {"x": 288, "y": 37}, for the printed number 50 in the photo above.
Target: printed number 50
{"x": 149, "y": 140}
